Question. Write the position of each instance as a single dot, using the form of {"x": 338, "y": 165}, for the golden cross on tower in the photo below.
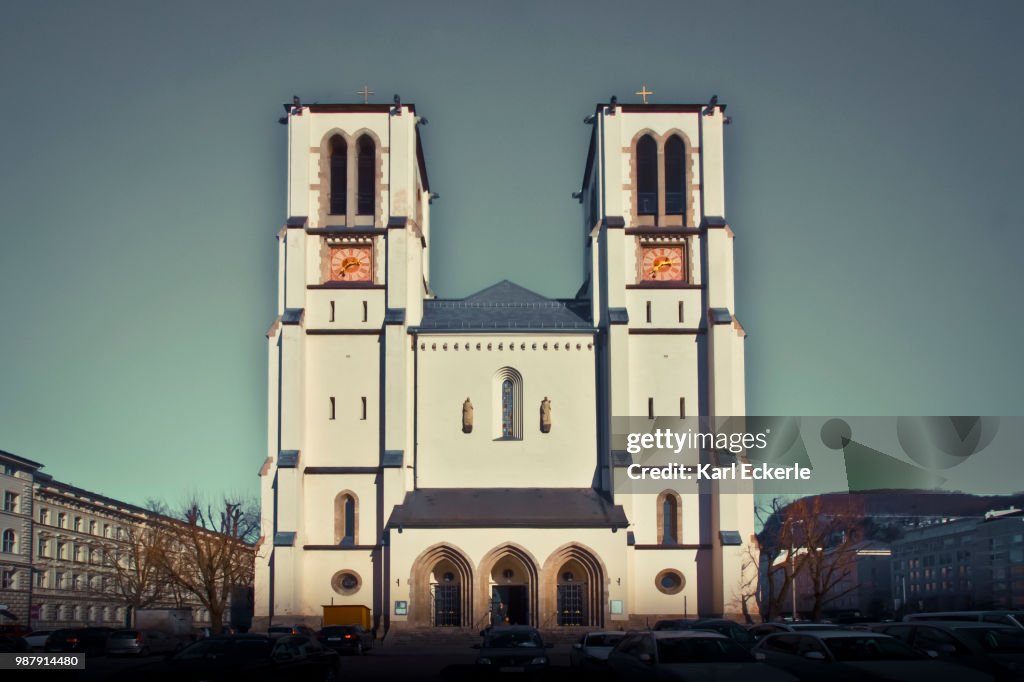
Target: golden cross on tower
{"x": 644, "y": 92}
{"x": 365, "y": 92}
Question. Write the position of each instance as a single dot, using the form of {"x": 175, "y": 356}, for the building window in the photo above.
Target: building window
{"x": 675, "y": 176}
{"x": 8, "y": 470}
{"x": 106, "y": 530}
{"x": 10, "y": 501}
{"x": 363, "y": 414}
{"x": 650, "y": 408}
{"x": 682, "y": 318}
{"x": 366, "y": 182}
{"x": 668, "y": 520}
{"x": 9, "y": 541}
{"x": 78, "y": 524}
{"x": 92, "y": 527}
{"x": 345, "y": 519}
{"x": 682, "y": 408}
{"x": 62, "y": 520}
{"x": 346, "y": 582}
{"x": 339, "y": 175}
{"x": 670, "y": 581}
{"x": 507, "y": 409}
{"x": 647, "y": 176}
{"x": 508, "y": 404}
{"x": 331, "y": 410}
{"x": 61, "y": 550}
{"x": 40, "y": 578}
{"x": 44, "y": 516}
{"x": 7, "y": 579}
{"x": 41, "y": 548}
{"x": 648, "y": 312}
{"x": 58, "y": 581}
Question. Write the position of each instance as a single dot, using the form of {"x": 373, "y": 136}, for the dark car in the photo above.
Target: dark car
{"x": 252, "y": 658}
{"x": 995, "y": 649}
{"x": 591, "y": 652}
{"x": 12, "y": 644}
{"x": 513, "y": 649}
{"x": 688, "y": 655}
{"x": 855, "y": 656}
{"x": 730, "y": 629}
{"x": 352, "y": 639}
{"x": 90, "y": 641}
{"x": 762, "y": 630}
{"x": 275, "y": 631}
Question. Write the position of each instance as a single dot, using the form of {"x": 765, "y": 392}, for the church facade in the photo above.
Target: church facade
{"x": 451, "y": 462}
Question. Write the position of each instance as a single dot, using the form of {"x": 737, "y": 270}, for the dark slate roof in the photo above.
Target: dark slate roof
{"x": 506, "y": 306}
{"x": 506, "y": 508}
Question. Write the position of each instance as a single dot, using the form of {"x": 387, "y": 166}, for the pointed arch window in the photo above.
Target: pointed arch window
{"x": 675, "y": 176}
{"x": 366, "y": 183}
{"x": 345, "y": 516}
{"x": 339, "y": 175}
{"x": 647, "y": 176}
{"x": 669, "y": 518}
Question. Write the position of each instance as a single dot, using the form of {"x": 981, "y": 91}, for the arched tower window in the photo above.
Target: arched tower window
{"x": 345, "y": 508}
{"x": 366, "y": 183}
{"x": 339, "y": 175}
{"x": 8, "y": 541}
{"x": 675, "y": 176}
{"x": 647, "y": 176}
{"x": 669, "y": 518}
{"x": 508, "y": 404}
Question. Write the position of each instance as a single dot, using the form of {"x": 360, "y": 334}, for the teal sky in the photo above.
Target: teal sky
{"x": 874, "y": 182}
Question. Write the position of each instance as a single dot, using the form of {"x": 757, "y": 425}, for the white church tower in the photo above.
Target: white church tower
{"x": 450, "y": 463}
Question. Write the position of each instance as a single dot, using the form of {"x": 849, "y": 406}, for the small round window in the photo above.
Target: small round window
{"x": 346, "y": 582}
{"x": 670, "y": 581}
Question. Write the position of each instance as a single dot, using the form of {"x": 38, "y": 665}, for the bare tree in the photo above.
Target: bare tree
{"x": 776, "y": 578}
{"x": 132, "y": 567}
{"x": 827, "y": 541}
{"x": 210, "y": 551}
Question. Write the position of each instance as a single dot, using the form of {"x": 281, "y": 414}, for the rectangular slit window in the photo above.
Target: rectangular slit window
{"x": 332, "y": 408}
{"x": 650, "y": 408}
{"x": 648, "y": 311}
{"x": 332, "y": 311}
{"x": 366, "y": 311}
{"x": 681, "y": 318}
{"x": 682, "y": 408}
{"x": 363, "y": 399}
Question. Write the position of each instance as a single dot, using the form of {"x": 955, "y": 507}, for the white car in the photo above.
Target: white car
{"x": 591, "y": 652}
{"x": 688, "y": 655}
{"x": 37, "y": 640}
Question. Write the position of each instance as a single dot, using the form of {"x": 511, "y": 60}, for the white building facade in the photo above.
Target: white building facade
{"x": 449, "y": 463}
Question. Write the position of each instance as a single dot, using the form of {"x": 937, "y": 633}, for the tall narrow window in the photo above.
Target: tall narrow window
{"x": 682, "y": 408}
{"x": 8, "y": 542}
{"x": 332, "y": 311}
{"x": 331, "y": 408}
{"x": 648, "y": 311}
{"x": 339, "y": 175}
{"x": 675, "y": 176}
{"x": 669, "y": 514}
{"x": 650, "y": 408}
{"x": 647, "y": 176}
{"x": 366, "y": 184}
{"x": 507, "y": 409}
{"x": 345, "y": 519}
{"x": 366, "y": 311}
{"x": 363, "y": 399}
{"x": 681, "y": 318}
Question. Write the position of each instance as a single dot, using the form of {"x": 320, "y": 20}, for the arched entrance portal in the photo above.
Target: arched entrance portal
{"x": 574, "y": 585}
{"x": 442, "y": 580}
{"x": 511, "y": 586}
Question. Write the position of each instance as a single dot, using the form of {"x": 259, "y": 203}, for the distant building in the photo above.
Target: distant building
{"x": 962, "y": 564}
{"x": 862, "y": 587}
{"x": 59, "y": 545}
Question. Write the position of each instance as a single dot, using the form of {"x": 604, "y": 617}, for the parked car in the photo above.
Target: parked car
{"x": 353, "y": 639}
{"x": 141, "y": 642}
{"x": 513, "y": 649}
{"x": 90, "y": 641}
{"x": 1014, "y": 618}
{"x": 253, "y": 658}
{"x": 12, "y": 644}
{"x": 36, "y": 639}
{"x": 591, "y": 652}
{"x": 688, "y": 655}
{"x": 730, "y": 629}
{"x": 275, "y": 631}
{"x": 203, "y": 633}
{"x": 856, "y": 656}
{"x": 995, "y": 649}
{"x": 761, "y": 630}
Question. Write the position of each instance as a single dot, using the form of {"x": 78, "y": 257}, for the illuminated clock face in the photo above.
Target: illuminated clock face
{"x": 351, "y": 264}
{"x": 662, "y": 263}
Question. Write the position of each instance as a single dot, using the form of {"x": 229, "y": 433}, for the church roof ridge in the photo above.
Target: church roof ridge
{"x": 505, "y": 305}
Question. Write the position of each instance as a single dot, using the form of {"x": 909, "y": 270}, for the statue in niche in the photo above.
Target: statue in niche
{"x": 545, "y": 415}
{"x": 467, "y": 416}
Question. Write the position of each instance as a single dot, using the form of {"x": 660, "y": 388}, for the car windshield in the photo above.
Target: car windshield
{"x": 869, "y": 648}
{"x": 701, "y": 650}
{"x": 518, "y": 639}
{"x": 604, "y": 640}
{"x": 996, "y": 640}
